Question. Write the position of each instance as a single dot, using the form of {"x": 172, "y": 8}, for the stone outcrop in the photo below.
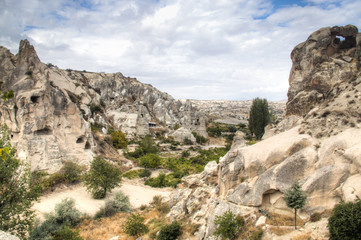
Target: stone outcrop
{"x": 53, "y": 110}
{"x": 318, "y": 144}
{"x": 329, "y": 57}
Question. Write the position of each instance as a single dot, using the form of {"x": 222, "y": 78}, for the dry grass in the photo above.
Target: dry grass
{"x": 283, "y": 220}
{"x": 302, "y": 236}
{"x": 280, "y": 231}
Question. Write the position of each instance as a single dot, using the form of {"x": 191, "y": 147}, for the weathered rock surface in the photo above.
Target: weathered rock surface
{"x": 52, "y": 112}
{"x": 318, "y": 144}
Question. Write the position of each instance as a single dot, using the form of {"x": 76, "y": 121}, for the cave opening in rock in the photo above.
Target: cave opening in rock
{"x": 345, "y": 42}
{"x": 80, "y": 140}
{"x": 44, "y": 131}
{"x": 34, "y": 99}
{"x": 87, "y": 145}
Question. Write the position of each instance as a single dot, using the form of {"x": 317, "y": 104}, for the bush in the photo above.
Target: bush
{"x": 187, "y": 141}
{"x": 150, "y": 161}
{"x": 65, "y": 215}
{"x": 345, "y": 221}
{"x": 134, "y": 226}
{"x": 118, "y": 139}
{"x": 66, "y": 233}
{"x": 257, "y": 234}
{"x": 71, "y": 172}
{"x": 228, "y": 225}
{"x": 120, "y": 203}
{"x": 315, "y": 217}
{"x": 145, "y": 173}
{"x": 259, "y": 117}
{"x": 95, "y": 108}
{"x": 146, "y": 146}
{"x": 101, "y": 178}
{"x": 161, "y": 206}
{"x": 199, "y": 139}
{"x": 170, "y": 231}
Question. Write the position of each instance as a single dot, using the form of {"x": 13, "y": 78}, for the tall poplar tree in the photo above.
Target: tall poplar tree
{"x": 259, "y": 117}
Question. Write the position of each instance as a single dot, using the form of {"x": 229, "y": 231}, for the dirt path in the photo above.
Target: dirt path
{"x": 137, "y": 192}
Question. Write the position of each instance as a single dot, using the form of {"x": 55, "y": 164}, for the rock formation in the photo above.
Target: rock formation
{"x": 318, "y": 144}
{"x": 53, "y": 110}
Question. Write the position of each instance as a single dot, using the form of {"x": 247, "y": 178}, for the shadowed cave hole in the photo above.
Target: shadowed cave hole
{"x": 34, "y": 99}
{"x": 87, "y": 145}
{"x": 345, "y": 42}
{"x": 80, "y": 140}
{"x": 44, "y": 131}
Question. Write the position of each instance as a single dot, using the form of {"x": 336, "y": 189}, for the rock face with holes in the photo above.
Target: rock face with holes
{"x": 318, "y": 143}
{"x": 54, "y": 110}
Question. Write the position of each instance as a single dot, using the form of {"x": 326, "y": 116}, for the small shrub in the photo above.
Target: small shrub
{"x": 143, "y": 207}
{"x": 96, "y": 108}
{"x": 150, "y": 161}
{"x": 170, "y": 231}
{"x": 134, "y": 225}
{"x": 119, "y": 139}
{"x": 65, "y": 215}
{"x": 185, "y": 154}
{"x": 133, "y": 174}
{"x": 71, "y": 172}
{"x": 187, "y": 141}
{"x": 257, "y": 234}
{"x": 66, "y": 233}
{"x": 158, "y": 182}
{"x": 315, "y": 217}
{"x": 345, "y": 221}
{"x": 120, "y": 203}
{"x": 145, "y": 173}
{"x": 228, "y": 225}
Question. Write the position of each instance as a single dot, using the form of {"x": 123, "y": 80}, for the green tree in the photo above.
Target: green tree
{"x": 295, "y": 198}
{"x": 101, "y": 178}
{"x": 259, "y": 117}
{"x": 148, "y": 145}
{"x": 134, "y": 226}
{"x": 150, "y": 161}
{"x": 345, "y": 221}
{"x": 16, "y": 192}
{"x": 228, "y": 225}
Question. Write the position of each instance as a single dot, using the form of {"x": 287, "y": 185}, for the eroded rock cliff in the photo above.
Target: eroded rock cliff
{"x": 318, "y": 144}
{"x": 52, "y": 111}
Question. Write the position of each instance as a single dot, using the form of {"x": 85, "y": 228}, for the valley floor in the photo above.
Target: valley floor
{"x": 137, "y": 192}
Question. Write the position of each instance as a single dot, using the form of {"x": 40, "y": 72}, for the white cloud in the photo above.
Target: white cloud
{"x": 226, "y": 49}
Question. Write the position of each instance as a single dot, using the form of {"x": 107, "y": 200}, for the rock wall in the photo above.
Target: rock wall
{"x": 318, "y": 144}
{"x": 53, "y": 109}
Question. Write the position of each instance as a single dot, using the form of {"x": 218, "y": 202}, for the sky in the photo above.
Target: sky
{"x": 191, "y": 49}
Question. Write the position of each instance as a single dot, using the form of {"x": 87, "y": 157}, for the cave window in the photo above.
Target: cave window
{"x": 87, "y": 145}
{"x": 44, "y": 131}
{"x": 80, "y": 140}
{"x": 34, "y": 99}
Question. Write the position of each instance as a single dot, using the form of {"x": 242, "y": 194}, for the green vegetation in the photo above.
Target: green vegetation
{"x": 67, "y": 233}
{"x": 199, "y": 139}
{"x": 70, "y": 173}
{"x": 163, "y": 180}
{"x": 139, "y": 173}
{"x": 120, "y": 203}
{"x": 146, "y": 146}
{"x": 101, "y": 178}
{"x": 96, "y": 108}
{"x": 8, "y": 95}
{"x": 118, "y": 138}
{"x": 228, "y": 225}
{"x": 295, "y": 198}
{"x": 259, "y": 117}
{"x": 134, "y": 226}
{"x": 16, "y": 196}
{"x": 158, "y": 204}
{"x": 170, "y": 231}
{"x": 55, "y": 224}
{"x": 345, "y": 221}
{"x": 151, "y": 160}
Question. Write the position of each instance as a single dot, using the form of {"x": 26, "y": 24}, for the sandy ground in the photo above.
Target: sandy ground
{"x": 137, "y": 192}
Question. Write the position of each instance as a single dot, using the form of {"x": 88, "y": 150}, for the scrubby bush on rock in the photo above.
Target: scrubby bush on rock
{"x": 228, "y": 225}
{"x": 170, "y": 231}
{"x": 345, "y": 222}
{"x": 134, "y": 225}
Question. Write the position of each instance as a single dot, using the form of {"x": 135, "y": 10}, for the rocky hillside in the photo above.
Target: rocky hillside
{"x": 52, "y": 110}
{"x": 318, "y": 144}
